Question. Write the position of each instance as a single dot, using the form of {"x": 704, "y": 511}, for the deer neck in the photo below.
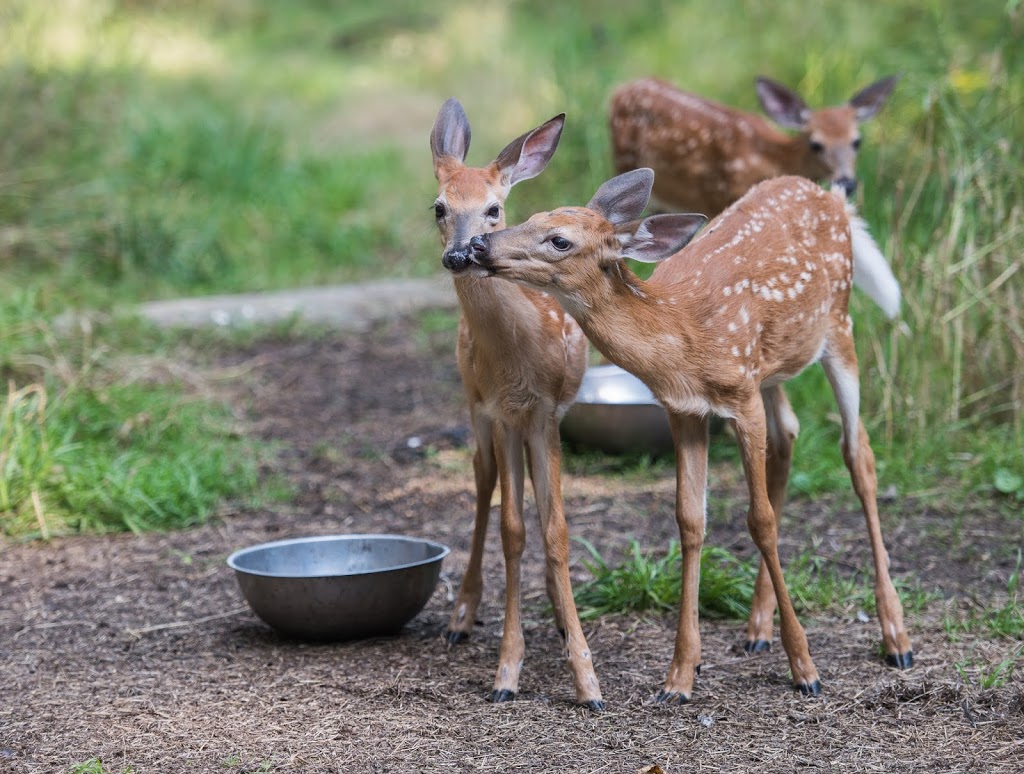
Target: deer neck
{"x": 497, "y": 313}
{"x": 641, "y": 326}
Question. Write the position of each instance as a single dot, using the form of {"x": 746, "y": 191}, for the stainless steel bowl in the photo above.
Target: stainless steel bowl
{"x": 616, "y": 413}
{"x": 338, "y": 587}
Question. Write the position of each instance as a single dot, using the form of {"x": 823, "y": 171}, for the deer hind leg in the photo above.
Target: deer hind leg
{"x": 840, "y": 363}
{"x": 485, "y": 471}
{"x": 545, "y": 455}
{"x": 783, "y": 427}
{"x": 690, "y": 435}
{"x": 751, "y": 432}
{"x": 508, "y": 447}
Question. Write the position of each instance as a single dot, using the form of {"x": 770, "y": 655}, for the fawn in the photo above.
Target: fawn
{"x": 705, "y": 155}
{"x": 521, "y": 359}
{"x": 758, "y": 296}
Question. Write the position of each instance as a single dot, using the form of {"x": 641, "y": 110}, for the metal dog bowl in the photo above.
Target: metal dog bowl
{"x": 616, "y": 413}
{"x": 338, "y": 587}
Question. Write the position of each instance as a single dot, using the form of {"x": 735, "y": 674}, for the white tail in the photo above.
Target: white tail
{"x": 521, "y": 359}
{"x": 758, "y": 296}
{"x": 871, "y": 271}
{"x": 706, "y": 155}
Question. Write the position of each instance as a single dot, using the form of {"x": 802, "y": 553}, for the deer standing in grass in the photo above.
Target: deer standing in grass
{"x": 761, "y": 294}
{"x": 705, "y": 155}
{"x": 521, "y": 358}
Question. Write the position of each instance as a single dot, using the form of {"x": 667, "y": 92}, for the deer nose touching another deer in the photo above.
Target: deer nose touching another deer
{"x": 521, "y": 358}
{"x": 758, "y": 296}
{"x": 705, "y": 155}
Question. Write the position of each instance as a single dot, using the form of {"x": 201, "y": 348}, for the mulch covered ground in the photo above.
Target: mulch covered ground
{"x": 139, "y": 650}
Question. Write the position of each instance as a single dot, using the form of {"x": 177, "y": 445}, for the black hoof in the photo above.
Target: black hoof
{"x": 502, "y": 696}
{"x": 594, "y": 705}
{"x": 757, "y": 646}
{"x": 900, "y": 660}
{"x": 454, "y": 638}
{"x": 671, "y": 697}
{"x": 814, "y": 689}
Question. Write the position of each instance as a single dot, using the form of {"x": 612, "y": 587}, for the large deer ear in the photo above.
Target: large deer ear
{"x": 450, "y": 135}
{"x": 783, "y": 106}
{"x": 659, "y": 236}
{"x": 623, "y": 198}
{"x": 869, "y": 100}
{"x": 527, "y": 155}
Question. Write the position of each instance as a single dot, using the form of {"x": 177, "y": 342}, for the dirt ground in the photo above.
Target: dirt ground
{"x": 139, "y": 650}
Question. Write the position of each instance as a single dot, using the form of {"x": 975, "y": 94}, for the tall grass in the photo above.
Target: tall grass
{"x": 154, "y": 149}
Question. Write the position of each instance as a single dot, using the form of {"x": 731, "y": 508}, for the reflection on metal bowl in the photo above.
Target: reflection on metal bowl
{"x": 338, "y": 587}
{"x": 616, "y": 413}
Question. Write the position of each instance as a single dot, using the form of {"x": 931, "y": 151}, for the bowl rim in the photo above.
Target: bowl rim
{"x": 232, "y": 560}
{"x": 612, "y": 369}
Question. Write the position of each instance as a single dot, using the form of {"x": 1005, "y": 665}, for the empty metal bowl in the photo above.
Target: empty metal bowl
{"x": 616, "y": 413}
{"x": 338, "y": 587}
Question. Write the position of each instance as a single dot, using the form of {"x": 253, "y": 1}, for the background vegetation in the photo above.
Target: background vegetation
{"x": 151, "y": 148}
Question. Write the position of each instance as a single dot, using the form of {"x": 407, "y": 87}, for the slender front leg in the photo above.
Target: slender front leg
{"x": 783, "y": 427}
{"x": 485, "y": 471}
{"x": 751, "y": 434}
{"x": 840, "y": 364}
{"x": 508, "y": 447}
{"x": 545, "y": 454}
{"x": 690, "y": 435}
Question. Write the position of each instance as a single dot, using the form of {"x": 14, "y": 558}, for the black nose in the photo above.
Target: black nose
{"x": 457, "y": 259}
{"x": 478, "y": 245}
{"x": 849, "y": 185}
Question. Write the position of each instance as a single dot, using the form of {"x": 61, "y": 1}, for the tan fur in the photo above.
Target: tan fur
{"x": 521, "y": 359}
{"x": 706, "y": 155}
{"x": 758, "y": 296}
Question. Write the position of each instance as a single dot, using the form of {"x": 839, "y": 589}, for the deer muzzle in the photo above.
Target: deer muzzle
{"x": 848, "y": 184}
{"x": 479, "y": 247}
{"x": 457, "y": 259}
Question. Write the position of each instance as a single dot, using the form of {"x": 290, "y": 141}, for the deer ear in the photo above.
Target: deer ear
{"x": 783, "y": 106}
{"x": 450, "y": 135}
{"x": 623, "y": 198}
{"x": 659, "y": 236}
{"x": 869, "y": 100}
{"x": 526, "y": 156}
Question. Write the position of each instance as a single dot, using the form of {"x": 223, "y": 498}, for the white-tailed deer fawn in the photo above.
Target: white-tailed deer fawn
{"x": 521, "y": 358}
{"x": 705, "y": 155}
{"x": 761, "y": 294}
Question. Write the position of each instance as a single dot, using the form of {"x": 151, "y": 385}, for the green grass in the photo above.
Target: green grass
{"x": 95, "y": 766}
{"x": 1005, "y": 620}
{"x": 156, "y": 149}
{"x": 93, "y": 440}
{"x": 644, "y": 582}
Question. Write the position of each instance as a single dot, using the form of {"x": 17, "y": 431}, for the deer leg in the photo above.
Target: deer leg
{"x": 508, "y": 447}
{"x": 782, "y": 426}
{"x": 550, "y": 581}
{"x": 690, "y": 435}
{"x": 840, "y": 363}
{"x": 485, "y": 471}
{"x": 545, "y": 454}
{"x": 751, "y": 433}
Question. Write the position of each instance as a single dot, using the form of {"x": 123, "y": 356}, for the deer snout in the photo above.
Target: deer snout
{"x": 457, "y": 259}
{"x": 478, "y": 246}
{"x": 848, "y": 184}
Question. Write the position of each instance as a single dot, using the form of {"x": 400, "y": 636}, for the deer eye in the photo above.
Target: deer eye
{"x": 856, "y": 143}
{"x": 439, "y": 211}
{"x": 494, "y": 211}
{"x": 560, "y": 243}
{"x": 816, "y": 146}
